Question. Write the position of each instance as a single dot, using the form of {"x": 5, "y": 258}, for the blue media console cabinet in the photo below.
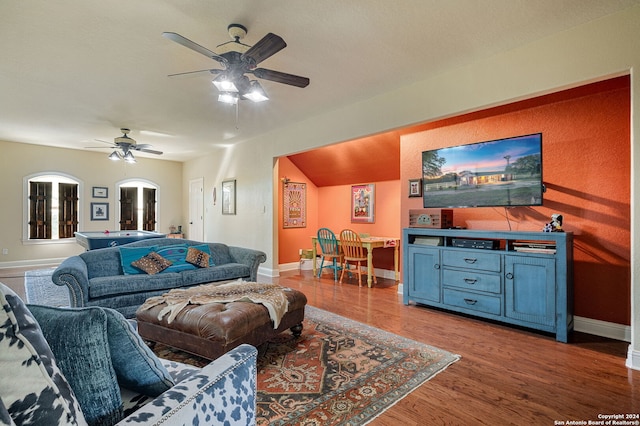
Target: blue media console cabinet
{"x": 520, "y": 278}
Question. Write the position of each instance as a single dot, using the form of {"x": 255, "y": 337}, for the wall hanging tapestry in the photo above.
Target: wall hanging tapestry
{"x": 295, "y": 205}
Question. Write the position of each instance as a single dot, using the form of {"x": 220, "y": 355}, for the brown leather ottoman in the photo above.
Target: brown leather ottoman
{"x": 213, "y": 329}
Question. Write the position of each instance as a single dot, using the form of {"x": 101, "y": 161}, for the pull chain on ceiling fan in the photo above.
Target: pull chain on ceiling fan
{"x": 239, "y": 59}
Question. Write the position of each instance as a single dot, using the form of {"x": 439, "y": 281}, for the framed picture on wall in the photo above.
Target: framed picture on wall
{"x": 100, "y": 192}
{"x": 295, "y": 205}
{"x": 363, "y": 203}
{"x": 415, "y": 187}
{"x": 99, "y": 211}
{"x": 229, "y": 197}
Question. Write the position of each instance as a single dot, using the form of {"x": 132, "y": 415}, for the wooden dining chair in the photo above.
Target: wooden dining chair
{"x": 354, "y": 253}
{"x": 329, "y": 250}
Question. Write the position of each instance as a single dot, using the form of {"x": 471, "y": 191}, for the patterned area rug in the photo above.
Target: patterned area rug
{"x": 339, "y": 372}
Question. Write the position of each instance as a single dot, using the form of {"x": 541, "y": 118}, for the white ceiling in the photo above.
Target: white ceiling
{"x": 74, "y": 71}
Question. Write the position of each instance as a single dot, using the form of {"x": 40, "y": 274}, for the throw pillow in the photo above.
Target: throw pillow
{"x": 78, "y": 339}
{"x": 177, "y": 254}
{"x": 206, "y": 249}
{"x": 34, "y": 390}
{"x": 129, "y": 255}
{"x": 136, "y": 366}
{"x": 198, "y": 257}
{"x": 152, "y": 263}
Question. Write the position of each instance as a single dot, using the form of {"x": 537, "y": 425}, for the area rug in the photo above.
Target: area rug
{"x": 40, "y": 290}
{"x": 339, "y": 372}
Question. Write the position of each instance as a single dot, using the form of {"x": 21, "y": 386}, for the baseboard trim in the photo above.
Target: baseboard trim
{"x": 31, "y": 263}
{"x": 607, "y": 329}
{"x": 633, "y": 359}
{"x": 283, "y": 267}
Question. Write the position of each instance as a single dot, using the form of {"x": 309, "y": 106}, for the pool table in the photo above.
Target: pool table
{"x": 96, "y": 240}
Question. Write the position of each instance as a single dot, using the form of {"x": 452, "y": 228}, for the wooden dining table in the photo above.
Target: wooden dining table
{"x": 369, "y": 243}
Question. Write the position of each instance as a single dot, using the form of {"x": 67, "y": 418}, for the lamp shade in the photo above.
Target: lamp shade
{"x": 256, "y": 93}
{"x": 129, "y": 158}
{"x": 223, "y": 84}
{"x": 228, "y": 98}
{"x": 115, "y": 156}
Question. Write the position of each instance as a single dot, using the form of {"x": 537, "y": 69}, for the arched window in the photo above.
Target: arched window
{"x": 138, "y": 205}
{"x": 52, "y": 206}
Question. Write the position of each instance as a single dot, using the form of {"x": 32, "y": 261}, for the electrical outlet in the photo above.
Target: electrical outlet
{"x": 5, "y": 251}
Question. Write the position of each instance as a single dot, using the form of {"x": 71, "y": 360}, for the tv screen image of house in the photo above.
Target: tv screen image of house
{"x": 503, "y": 172}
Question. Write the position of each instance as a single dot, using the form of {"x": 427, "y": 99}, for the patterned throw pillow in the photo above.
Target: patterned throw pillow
{"x": 206, "y": 249}
{"x": 152, "y": 263}
{"x": 198, "y": 258}
{"x": 33, "y": 390}
{"x": 129, "y": 255}
{"x": 78, "y": 340}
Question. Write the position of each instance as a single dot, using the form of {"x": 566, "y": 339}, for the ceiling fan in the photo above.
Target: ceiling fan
{"x": 238, "y": 59}
{"x": 123, "y": 146}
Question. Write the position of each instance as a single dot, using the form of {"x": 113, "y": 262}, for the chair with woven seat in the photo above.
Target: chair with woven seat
{"x": 329, "y": 250}
{"x": 354, "y": 253}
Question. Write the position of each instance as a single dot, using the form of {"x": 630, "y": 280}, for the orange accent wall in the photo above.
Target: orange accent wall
{"x": 330, "y": 207}
{"x": 586, "y": 168}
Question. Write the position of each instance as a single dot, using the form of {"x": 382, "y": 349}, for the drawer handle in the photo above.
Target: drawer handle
{"x": 509, "y": 276}
{"x": 470, "y": 301}
{"x": 470, "y": 260}
{"x": 470, "y": 280}
{"x": 436, "y": 266}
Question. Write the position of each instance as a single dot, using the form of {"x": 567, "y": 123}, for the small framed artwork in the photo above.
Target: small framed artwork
{"x": 100, "y": 192}
{"x": 229, "y": 197}
{"x": 362, "y": 203}
{"x": 415, "y": 187}
{"x": 99, "y": 211}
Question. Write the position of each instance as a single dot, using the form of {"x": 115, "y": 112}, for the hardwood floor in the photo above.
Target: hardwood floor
{"x": 506, "y": 375}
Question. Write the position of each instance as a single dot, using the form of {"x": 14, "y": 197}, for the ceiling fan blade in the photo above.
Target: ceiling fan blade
{"x": 213, "y": 71}
{"x": 281, "y": 77}
{"x": 98, "y": 147}
{"x": 266, "y": 47}
{"x": 194, "y": 46}
{"x": 108, "y": 143}
{"x": 150, "y": 151}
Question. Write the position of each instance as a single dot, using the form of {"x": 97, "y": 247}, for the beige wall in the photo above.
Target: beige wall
{"x": 92, "y": 169}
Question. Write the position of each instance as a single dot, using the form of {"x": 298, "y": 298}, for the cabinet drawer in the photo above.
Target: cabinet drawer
{"x": 477, "y": 302}
{"x": 471, "y": 280}
{"x": 472, "y": 259}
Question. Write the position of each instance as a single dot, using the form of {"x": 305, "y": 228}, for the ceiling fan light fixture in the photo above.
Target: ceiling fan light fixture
{"x": 256, "y": 93}
{"x": 228, "y": 98}
{"x": 223, "y": 84}
{"x": 129, "y": 158}
{"x": 115, "y": 156}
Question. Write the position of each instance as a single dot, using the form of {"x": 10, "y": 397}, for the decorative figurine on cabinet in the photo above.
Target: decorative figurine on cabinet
{"x": 555, "y": 225}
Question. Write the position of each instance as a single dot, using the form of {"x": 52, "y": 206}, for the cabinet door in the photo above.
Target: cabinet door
{"x": 424, "y": 274}
{"x": 530, "y": 289}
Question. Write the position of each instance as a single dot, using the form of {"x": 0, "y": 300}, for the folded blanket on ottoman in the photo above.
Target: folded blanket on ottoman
{"x": 270, "y": 295}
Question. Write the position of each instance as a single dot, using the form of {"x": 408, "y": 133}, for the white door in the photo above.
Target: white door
{"x": 196, "y": 210}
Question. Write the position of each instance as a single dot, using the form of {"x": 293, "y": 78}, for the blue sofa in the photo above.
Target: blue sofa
{"x": 97, "y": 277}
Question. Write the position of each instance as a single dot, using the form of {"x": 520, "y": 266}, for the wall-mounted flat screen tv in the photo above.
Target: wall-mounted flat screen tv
{"x": 504, "y": 172}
